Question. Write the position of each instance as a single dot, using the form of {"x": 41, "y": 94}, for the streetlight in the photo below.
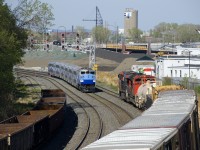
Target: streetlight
{"x": 189, "y": 64}
{"x": 189, "y": 70}
{"x": 116, "y": 34}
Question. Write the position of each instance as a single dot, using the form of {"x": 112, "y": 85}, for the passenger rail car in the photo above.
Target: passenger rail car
{"x": 171, "y": 123}
{"x": 83, "y": 79}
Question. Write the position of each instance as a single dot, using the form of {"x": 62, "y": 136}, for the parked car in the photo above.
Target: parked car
{"x": 57, "y": 43}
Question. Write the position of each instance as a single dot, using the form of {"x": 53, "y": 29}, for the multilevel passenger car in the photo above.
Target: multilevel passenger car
{"x": 83, "y": 79}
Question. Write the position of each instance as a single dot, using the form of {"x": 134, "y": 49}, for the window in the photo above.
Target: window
{"x": 175, "y": 73}
{"x": 138, "y": 80}
{"x": 92, "y": 72}
{"x": 180, "y": 73}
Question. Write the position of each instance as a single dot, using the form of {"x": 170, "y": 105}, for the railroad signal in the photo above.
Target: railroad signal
{"x": 77, "y": 39}
{"x": 95, "y": 67}
{"x": 77, "y": 47}
{"x": 63, "y": 38}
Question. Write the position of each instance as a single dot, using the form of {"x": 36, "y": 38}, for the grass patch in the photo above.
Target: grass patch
{"x": 108, "y": 79}
{"x": 20, "y": 108}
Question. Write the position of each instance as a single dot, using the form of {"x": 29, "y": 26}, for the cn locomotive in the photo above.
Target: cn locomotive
{"x": 135, "y": 87}
{"x": 171, "y": 123}
{"x": 83, "y": 79}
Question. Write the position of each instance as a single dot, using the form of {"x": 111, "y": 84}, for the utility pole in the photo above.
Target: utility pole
{"x": 116, "y": 38}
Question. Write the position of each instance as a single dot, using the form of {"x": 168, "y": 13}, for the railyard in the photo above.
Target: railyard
{"x": 109, "y": 62}
{"x": 136, "y": 87}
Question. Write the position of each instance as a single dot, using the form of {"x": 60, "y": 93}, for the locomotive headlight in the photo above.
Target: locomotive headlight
{"x": 81, "y": 80}
{"x": 94, "y": 80}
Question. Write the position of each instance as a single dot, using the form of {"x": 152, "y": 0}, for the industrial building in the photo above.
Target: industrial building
{"x": 185, "y": 64}
{"x": 130, "y": 20}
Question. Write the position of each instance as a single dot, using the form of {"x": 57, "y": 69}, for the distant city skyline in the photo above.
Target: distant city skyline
{"x": 150, "y": 13}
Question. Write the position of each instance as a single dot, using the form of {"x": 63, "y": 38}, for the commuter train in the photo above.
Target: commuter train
{"x": 83, "y": 79}
{"x": 171, "y": 123}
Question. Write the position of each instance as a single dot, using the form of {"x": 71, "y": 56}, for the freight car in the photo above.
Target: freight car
{"x": 83, "y": 79}
{"x": 27, "y": 131}
{"x": 135, "y": 87}
{"x": 171, "y": 123}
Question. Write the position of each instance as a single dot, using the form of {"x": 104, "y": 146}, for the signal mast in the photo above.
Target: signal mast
{"x": 99, "y": 22}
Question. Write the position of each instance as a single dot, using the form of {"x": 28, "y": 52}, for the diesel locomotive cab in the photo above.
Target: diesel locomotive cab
{"x": 87, "y": 80}
{"x": 135, "y": 87}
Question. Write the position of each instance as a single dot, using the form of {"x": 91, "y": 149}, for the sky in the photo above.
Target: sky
{"x": 70, "y": 13}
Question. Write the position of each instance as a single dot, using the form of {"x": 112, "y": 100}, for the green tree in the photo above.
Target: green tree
{"x": 187, "y": 33}
{"x": 172, "y": 32}
{"x": 135, "y": 34}
{"x": 12, "y": 41}
{"x": 100, "y": 34}
{"x": 34, "y": 16}
{"x": 81, "y": 31}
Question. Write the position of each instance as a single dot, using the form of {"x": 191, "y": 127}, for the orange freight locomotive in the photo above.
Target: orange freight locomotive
{"x": 135, "y": 87}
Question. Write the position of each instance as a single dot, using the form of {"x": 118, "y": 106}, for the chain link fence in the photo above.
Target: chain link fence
{"x": 185, "y": 82}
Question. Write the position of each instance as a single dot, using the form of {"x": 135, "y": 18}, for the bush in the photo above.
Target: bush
{"x": 197, "y": 89}
{"x": 167, "y": 81}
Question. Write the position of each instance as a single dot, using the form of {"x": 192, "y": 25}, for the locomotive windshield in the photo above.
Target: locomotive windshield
{"x": 87, "y": 72}
{"x": 92, "y": 72}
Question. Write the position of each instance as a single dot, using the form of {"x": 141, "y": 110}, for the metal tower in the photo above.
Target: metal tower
{"x": 98, "y": 20}
{"x": 92, "y": 60}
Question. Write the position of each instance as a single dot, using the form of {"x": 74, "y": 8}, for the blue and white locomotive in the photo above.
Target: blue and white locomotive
{"x": 83, "y": 79}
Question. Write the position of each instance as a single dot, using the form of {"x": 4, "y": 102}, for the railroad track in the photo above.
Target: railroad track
{"x": 35, "y": 87}
{"x": 93, "y": 129}
{"x": 93, "y": 111}
{"x": 121, "y": 114}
